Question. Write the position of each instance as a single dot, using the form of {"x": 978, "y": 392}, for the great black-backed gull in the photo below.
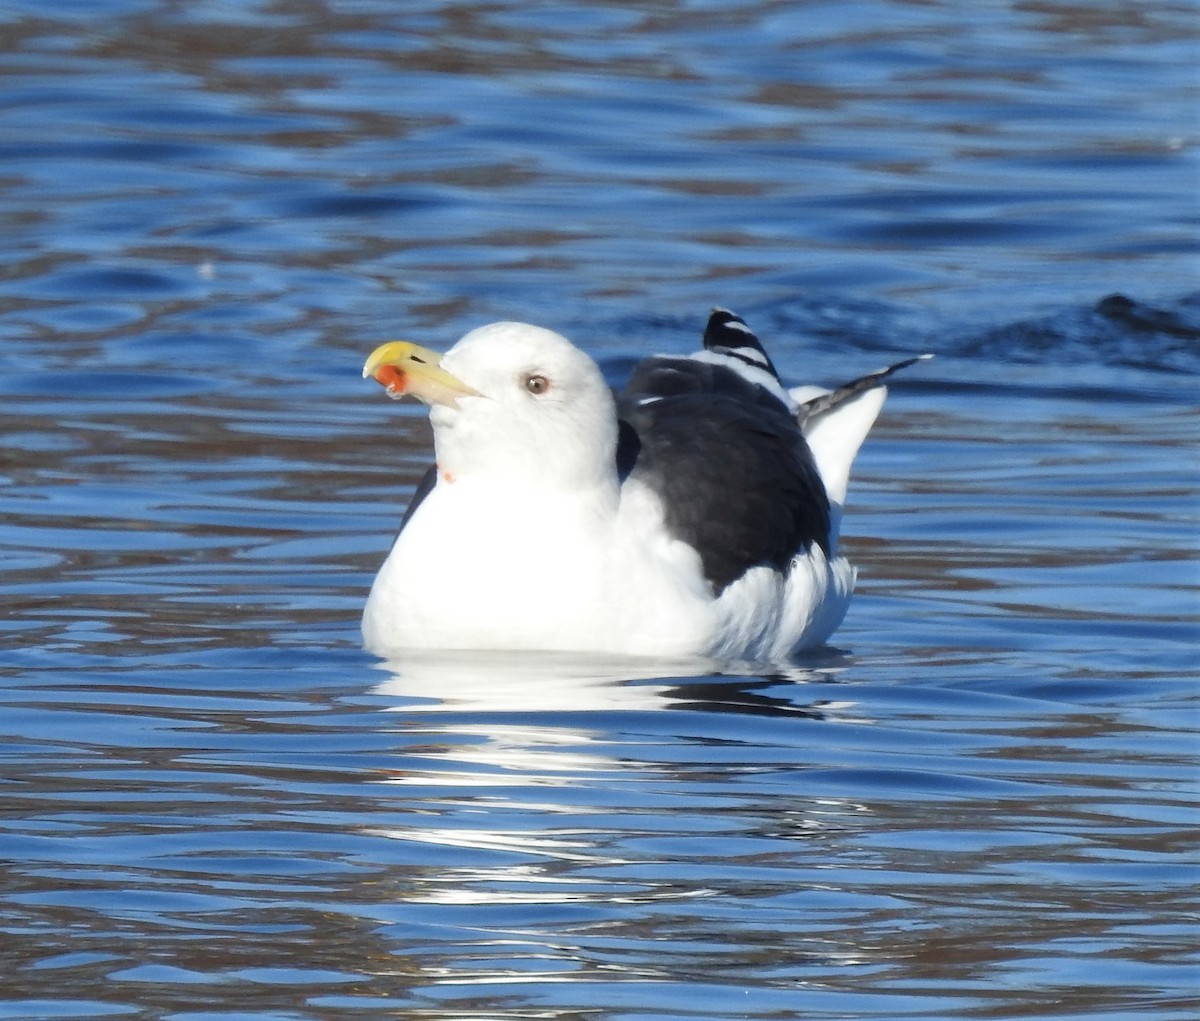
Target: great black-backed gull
{"x": 696, "y": 512}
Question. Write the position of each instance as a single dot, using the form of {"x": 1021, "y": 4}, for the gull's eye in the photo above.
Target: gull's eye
{"x": 537, "y": 384}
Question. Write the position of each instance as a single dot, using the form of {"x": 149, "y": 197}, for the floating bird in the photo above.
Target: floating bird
{"x": 695, "y": 513}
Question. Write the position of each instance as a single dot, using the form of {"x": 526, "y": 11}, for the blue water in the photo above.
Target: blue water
{"x": 979, "y": 802}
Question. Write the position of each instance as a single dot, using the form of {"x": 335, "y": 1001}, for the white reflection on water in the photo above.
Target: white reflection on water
{"x": 519, "y": 682}
{"x": 514, "y": 682}
{"x": 553, "y": 775}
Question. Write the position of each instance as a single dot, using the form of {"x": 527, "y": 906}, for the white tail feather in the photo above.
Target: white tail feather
{"x": 834, "y": 438}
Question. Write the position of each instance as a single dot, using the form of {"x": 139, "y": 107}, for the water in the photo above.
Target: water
{"x": 979, "y": 803}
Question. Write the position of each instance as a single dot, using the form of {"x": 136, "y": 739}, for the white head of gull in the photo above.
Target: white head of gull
{"x": 545, "y": 420}
{"x": 687, "y": 516}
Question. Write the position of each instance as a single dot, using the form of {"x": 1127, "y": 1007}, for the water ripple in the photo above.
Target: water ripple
{"x": 979, "y": 802}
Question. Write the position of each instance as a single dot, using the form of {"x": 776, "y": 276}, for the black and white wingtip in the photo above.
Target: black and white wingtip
{"x": 816, "y": 407}
{"x": 727, "y": 334}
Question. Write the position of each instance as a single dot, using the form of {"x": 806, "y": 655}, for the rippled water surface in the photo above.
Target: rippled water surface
{"x": 979, "y": 803}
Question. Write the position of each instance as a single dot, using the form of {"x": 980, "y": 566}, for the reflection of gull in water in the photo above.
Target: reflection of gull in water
{"x": 543, "y": 720}
{"x": 551, "y": 803}
{"x": 514, "y": 681}
{"x": 568, "y": 682}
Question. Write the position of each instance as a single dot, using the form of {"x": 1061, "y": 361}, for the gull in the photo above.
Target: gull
{"x": 695, "y": 513}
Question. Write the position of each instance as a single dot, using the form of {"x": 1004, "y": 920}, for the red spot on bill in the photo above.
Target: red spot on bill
{"x": 394, "y": 380}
